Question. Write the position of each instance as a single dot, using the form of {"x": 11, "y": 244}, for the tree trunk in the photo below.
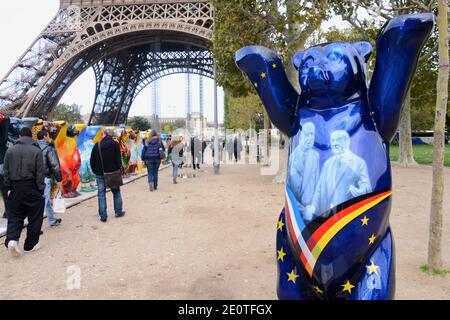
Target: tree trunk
{"x": 267, "y": 139}
{"x": 435, "y": 241}
{"x": 405, "y": 150}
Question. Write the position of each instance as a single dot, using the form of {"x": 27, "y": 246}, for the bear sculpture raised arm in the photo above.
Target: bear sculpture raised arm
{"x": 333, "y": 237}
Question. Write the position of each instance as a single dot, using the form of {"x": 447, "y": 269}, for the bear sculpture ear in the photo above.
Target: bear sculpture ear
{"x": 297, "y": 59}
{"x": 364, "y": 49}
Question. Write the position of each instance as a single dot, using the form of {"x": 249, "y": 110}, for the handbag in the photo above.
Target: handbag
{"x": 162, "y": 153}
{"x": 59, "y": 203}
{"x": 113, "y": 180}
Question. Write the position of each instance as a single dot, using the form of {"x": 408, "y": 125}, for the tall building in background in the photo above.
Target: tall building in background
{"x": 156, "y": 106}
{"x": 188, "y": 100}
{"x": 202, "y": 104}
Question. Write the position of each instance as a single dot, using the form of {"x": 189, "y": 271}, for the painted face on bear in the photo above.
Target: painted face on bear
{"x": 333, "y": 73}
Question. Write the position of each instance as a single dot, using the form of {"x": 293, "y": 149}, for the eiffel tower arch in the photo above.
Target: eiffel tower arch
{"x": 128, "y": 44}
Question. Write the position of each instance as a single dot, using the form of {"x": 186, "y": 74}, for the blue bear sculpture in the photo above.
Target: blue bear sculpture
{"x": 334, "y": 239}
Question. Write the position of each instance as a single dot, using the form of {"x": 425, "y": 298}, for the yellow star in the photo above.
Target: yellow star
{"x": 365, "y": 221}
{"x": 281, "y": 254}
{"x": 347, "y": 287}
{"x": 373, "y": 268}
{"x": 274, "y": 66}
{"x": 372, "y": 239}
{"x": 318, "y": 290}
{"x": 280, "y": 225}
{"x": 263, "y": 75}
{"x": 292, "y": 276}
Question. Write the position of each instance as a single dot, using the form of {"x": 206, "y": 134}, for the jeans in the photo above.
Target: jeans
{"x": 102, "y": 207}
{"x": 152, "y": 171}
{"x": 174, "y": 170}
{"x": 48, "y": 206}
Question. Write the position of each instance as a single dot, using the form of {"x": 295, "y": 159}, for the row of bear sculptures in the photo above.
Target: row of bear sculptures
{"x": 74, "y": 144}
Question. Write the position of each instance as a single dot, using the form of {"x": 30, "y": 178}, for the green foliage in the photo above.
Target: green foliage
{"x": 69, "y": 113}
{"x": 423, "y": 154}
{"x": 245, "y": 113}
{"x": 237, "y": 24}
{"x": 139, "y": 123}
{"x": 436, "y": 272}
{"x": 283, "y": 26}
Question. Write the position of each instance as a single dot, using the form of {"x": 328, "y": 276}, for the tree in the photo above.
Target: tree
{"x": 168, "y": 128}
{"x": 435, "y": 241}
{"x": 139, "y": 123}
{"x": 380, "y": 11}
{"x": 69, "y": 113}
{"x": 283, "y": 25}
{"x": 244, "y": 112}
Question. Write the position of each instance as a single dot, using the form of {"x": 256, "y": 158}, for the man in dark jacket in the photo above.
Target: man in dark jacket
{"x": 24, "y": 177}
{"x": 51, "y": 170}
{"x": 110, "y": 154}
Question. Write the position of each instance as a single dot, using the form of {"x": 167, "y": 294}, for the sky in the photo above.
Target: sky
{"x": 22, "y": 21}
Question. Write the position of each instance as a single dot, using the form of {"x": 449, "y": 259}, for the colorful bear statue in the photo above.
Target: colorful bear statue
{"x": 334, "y": 240}
{"x": 69, "y": 158}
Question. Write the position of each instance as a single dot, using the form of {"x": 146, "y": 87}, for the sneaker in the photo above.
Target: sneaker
{"x": 120, "y": 215}
{"x": 57, "y": 223}
{"x": 151, "y": 188}
{"x": 36, "y": 248}
{"x": 13, "y": 248}
{"x": 103, "y": 219}
{"x": 198, "y": 166}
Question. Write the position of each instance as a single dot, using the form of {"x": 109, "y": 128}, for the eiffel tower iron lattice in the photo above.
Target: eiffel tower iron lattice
{"x": 128, "y": 43}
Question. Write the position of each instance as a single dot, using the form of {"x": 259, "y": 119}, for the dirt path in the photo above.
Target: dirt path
{"x": 212, "y": 237}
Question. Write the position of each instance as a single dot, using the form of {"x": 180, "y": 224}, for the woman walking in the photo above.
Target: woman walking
{"x": 152, "y": 154}
{"x": 176, "y": 151}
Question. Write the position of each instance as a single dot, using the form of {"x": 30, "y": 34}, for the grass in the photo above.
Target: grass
{"x": 423, "y": 154}
{"x": 436, "y": 272}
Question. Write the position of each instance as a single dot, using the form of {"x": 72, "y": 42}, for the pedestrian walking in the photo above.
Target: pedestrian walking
{"x": 152, "y": 154}
{"x": 52, "y": 170}
{"x": 106, "y": 159}
{"x": 176, "y": 150}
{"x": 24, "y": 177}
{"x": 230, "y": 149}
{"x": 237, "y": 145}
{"x": 204, "y": 146}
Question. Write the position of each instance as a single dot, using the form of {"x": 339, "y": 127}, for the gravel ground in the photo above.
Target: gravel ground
{"x": 209, "y": 237}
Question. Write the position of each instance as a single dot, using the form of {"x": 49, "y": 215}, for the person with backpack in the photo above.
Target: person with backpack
{"x": 152, "y": 154}
{"x": 52, "y": 170}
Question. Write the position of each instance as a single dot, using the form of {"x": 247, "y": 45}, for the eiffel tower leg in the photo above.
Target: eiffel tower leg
{"x": 116, "y": 81}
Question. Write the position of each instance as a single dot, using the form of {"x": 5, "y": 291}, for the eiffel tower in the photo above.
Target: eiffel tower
{"x": 128, "y": 43}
